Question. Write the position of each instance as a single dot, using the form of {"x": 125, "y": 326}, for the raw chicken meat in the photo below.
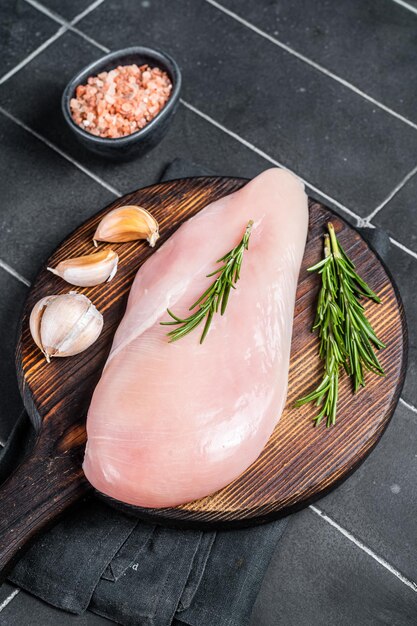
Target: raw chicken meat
{"x": 173, "y": 422}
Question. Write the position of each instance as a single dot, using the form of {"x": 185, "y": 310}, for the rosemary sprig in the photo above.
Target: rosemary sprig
{"x": 328, "y": 322}
{"x": 216, "y": 296}
{"x": 359, "y": 336}
{"x": 346, "y": 337}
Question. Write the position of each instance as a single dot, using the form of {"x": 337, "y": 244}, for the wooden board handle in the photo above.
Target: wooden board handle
{"x": 40, "y": 489}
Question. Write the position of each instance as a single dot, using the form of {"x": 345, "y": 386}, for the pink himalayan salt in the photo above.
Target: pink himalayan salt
{"x": 122, "y": 101}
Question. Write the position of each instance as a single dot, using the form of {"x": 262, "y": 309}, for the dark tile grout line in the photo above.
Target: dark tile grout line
{"x": 9, "y": 599}
{"x": 65, "y": 26}
{"x": 69, "y": 25}
{"x": 48, "y": 12}
{"x": 10, "y": 270}
{"x": 33, "y": 54}
{"x": 400, "y": 245}
{"x": 405, "y": 5}
{"x": 317, "y": 66}
{"x": 393, "y": 193}
{"x": 86, "y": 11}
{"x": 318, "y": 511}
{"x": 361, "y": 222}
{"x": 267, "y": 157}
{"x": 364, "y": 548}
{"x": 51, "y": 145}
{"x": 408, "y": 406}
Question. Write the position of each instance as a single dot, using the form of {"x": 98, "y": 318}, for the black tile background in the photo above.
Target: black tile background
{"x": 295, "y": 112}
{"x": 398, "y": 215}
{"x": 370, "y": 44}
{"x": 377, "y": 499}
{"x": 341, "y": 143}
{"x": 68, "y": 9}
{"x": 188, "y": 133}
{"x": 49, "y": 197}
{"x": 22, "y": 30}
{"x": 318, "y": 578}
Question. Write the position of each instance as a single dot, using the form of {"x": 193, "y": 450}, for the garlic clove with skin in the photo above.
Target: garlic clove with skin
{"x": 88, "y": 270}
{"x": 65, "y": 325}
{"x": 127, "y": 223}
{"x": 34, "y": 320}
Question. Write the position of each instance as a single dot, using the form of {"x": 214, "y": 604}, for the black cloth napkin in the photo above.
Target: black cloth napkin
{"x": 144, "y": 575}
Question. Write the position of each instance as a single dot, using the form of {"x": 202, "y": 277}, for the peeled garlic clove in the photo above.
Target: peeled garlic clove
{"x": 127, "y": 223}
{"x": 65, "y": 325}
{"x": 89, "y": 270}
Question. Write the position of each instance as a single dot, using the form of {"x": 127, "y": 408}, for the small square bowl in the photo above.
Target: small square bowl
{"x": 140, "y": 142}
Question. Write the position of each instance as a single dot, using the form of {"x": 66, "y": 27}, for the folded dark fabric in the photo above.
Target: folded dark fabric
{"x": 144, "y": 575}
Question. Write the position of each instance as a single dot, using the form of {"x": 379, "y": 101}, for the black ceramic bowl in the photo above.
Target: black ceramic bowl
{"x": 143, "y": 140}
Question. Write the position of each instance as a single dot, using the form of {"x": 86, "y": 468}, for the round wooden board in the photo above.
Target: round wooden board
{"x": 300, "y": 462}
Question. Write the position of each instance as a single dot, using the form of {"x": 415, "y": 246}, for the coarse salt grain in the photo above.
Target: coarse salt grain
{"x": 122, "y": 101}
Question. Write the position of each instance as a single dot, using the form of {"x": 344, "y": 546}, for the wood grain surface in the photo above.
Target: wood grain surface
{"x": 300, "y": 462}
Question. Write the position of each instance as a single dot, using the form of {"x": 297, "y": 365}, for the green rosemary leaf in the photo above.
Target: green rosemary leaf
{"x": 317, "y": 266}
{"x": 207, "y": 324}
{"x": 347, "y": 339}
{"x": 216, "y": 296}
{"x": 177, "y": 319}
{"x": 201, "y": 298}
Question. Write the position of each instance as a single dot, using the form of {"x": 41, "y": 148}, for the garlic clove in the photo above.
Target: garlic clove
{"x": 65, "y": 325}
{"x": 88, "y": 270}
{"x": 127, "y": 223}
{"x": 35, "y": 321}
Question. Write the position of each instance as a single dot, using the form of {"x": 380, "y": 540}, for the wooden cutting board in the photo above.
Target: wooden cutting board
{"x": 300, "y": 462}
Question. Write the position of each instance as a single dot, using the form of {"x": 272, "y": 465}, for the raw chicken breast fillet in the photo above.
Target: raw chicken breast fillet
{"x": 173, "y": 422}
